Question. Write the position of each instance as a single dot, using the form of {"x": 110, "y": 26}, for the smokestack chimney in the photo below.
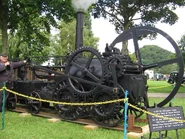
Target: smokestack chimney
{"x": 79, "y": 29}
{"x": 80, "y": 6}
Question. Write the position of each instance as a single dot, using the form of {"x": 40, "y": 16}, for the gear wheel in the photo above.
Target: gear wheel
{"x": 119, "y": 60}
{"x": 106, "y": 114}
{"x": 85, "y": 63}
{"x": 63, "y": 93}
{"x": 124, "y": 64}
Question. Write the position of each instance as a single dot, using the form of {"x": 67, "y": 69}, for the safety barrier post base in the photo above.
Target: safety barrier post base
{"x": 131, "y": 126}
{"x": 142, "y": 120}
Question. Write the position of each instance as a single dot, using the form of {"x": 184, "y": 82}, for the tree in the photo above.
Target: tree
{"x": 31, "y": 18}
{"x": 153, "y": 54}
{"x": 20, "y": 48}
{"x": 123, "y": 13}
{"x": 181, "y": 44}
{"x": 66, "y": 38}
{"x": 0, "y": 39}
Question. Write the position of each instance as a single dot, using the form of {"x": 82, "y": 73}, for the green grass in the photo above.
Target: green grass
{"x": 162, "y": 87}
{"x": 33, "y": 127}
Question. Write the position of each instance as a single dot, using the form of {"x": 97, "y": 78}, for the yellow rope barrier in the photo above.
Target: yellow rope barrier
{"x": 156, "y": 115}
{"x": 94, "y": 103}
{"x": 67, "y": 103}
{"x": 159, "y": 87}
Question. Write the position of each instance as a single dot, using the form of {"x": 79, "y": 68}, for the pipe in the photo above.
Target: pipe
{"x": 79, "y": 30}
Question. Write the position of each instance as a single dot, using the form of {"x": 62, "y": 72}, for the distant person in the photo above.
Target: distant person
{"x": 167, "y": 77}
{"x": 157, "y": 77}
{"x": 6, "y": 73}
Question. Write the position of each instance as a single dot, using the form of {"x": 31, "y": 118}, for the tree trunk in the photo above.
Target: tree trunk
{"x": 4, "y": 38}
{"x": 4, "y": 22}
{"x": 124, "y": 49}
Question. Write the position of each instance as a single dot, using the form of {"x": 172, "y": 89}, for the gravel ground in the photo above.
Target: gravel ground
{"x": 164, "y": 95}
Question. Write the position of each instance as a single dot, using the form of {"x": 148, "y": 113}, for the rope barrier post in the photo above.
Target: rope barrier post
{"x": 173, "y": 97}
{"x": 125, "y": 115}
{"x": 3, "y": 106}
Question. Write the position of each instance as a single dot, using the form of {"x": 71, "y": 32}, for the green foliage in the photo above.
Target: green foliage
{"x": 183, "y": 54}
{"x": 24, "y": 11}
{"x": 21, "y": 47}
{"x": 122, "y": 13}
{"x": 32, "y": 19}
{"x": 0, "y": 41}
{"x": 153, "y": 54}
{"x": 181, "y": 44}
{"x": 133, "y": 57}
{"x": 66, "y": 38}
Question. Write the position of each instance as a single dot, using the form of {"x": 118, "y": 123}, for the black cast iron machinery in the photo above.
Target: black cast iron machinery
{"x": 90, "y": 76}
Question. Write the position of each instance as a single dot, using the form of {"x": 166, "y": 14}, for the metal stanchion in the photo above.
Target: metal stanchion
{"x": 3, "y": 106}
{"x": 125, "y": 115}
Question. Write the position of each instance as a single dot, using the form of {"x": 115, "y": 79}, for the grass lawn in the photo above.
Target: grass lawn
{"x": 33, "y": 127}
{"x": 162, "y": 87}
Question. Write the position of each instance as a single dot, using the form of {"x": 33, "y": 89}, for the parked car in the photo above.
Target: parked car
{"x": 174, "y": 76}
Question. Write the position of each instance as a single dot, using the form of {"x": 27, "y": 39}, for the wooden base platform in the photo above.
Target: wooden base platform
{"x": 133, "y": 131}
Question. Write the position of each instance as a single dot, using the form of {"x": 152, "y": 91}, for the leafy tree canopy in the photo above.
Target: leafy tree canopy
{"x": 123, "y": 13}
{"x": 33, "y": 18}
{"x": 64, "y": 42}
{"x": 181, "y": 44}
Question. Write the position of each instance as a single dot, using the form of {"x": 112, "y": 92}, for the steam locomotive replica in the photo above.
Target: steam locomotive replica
{"x": 90, "y": 76}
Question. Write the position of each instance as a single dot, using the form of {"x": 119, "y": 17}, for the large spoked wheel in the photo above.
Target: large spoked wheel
{"x": 34, "y": 106}
{"x": 87, "y": 64}
{"x": 135, "y": 33}
{"x": 11, "y": 101}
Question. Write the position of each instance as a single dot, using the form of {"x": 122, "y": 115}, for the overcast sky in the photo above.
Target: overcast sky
{"x": 106, "y": 31}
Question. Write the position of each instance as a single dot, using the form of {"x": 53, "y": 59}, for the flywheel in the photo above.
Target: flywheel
{"x": 136, "y": 34}
{"x": 85, "y": 63}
